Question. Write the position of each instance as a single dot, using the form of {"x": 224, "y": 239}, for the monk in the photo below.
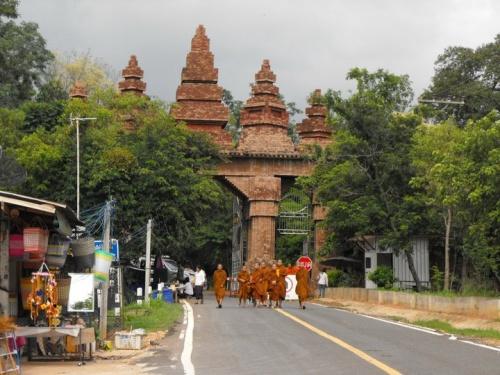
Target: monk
{"x": 255, "y": 277}
{"x": 281, "y": 270}
{"x": 220, "y": 277}
{"x": 261, "y": 285}
{"x": 274, "y": 287}
{"x": 243, "y": 281}
{"x": 302, "y": 288}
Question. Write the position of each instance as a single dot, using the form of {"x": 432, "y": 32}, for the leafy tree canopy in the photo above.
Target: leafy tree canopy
{"x": 23, "y": 57}
{"x": 471, "y": 75}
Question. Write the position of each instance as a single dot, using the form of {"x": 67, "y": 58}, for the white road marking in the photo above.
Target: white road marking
{"x": 481, "y": 345}
{"x": 404, "y": 325}
{"x": 188, "y": 341}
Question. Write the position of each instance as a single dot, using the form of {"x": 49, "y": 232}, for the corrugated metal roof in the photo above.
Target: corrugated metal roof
{"x": 39, "y": 205}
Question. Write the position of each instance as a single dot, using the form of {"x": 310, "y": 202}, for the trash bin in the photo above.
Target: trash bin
{"x": 168, "y": 295}
{"x": 154, "y": 294}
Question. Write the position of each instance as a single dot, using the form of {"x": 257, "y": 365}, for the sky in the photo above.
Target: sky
{"x": 310, "y": 43}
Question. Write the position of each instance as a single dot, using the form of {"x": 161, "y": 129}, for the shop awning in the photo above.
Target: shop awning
{"x": 40, "y": 205}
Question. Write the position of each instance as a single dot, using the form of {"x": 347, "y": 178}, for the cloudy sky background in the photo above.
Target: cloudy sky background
{"x": 311, "y": 43}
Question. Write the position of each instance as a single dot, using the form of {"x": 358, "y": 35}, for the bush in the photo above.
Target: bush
{"x": 337, "y": 278}
{"x": 383, "y": 277}
{"x": 437, "y": 278}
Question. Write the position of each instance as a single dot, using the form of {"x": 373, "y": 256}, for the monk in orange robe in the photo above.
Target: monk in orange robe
{"x": 243, "y": 281}
{"x": 255, "y": 277}
{"x": 302, "y": 288}
{"x": 261, "y": 285}
{"x": 220, "y": 277}
{"x": 274, "y": 287}
{"x": 282, "y": 274}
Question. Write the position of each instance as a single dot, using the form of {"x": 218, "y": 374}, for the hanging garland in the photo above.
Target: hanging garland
{"x": 43, "y": 296}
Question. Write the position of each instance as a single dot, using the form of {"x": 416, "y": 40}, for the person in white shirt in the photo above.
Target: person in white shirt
{"x": 322, "y": 283}
{"x": 200, "y": 279}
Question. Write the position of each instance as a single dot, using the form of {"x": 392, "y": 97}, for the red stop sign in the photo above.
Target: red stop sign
{"x": 306, "y": 262}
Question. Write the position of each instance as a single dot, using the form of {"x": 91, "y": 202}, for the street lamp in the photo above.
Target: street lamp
{"x": 77, "y": 120}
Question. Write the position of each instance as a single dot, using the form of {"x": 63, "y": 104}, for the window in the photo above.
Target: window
{"x": 368, "y": 263}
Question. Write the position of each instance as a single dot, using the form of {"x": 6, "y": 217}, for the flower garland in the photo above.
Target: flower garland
{"x": 43, "y": 296}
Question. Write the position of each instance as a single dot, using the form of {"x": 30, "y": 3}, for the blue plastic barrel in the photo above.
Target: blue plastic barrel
{"x": 168, "y": 296}
{"x": 154, "y": 294}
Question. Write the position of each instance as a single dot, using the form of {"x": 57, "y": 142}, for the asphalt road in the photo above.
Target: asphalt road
{"x": 318, "y": 340}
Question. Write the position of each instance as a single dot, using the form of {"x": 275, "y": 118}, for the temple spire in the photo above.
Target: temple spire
{"x": 132, "y": 78}
{"x": 264, "y": 117}
{"x": 199, "y": 98}
{"x": 313, "y": 129}
{"x": 78, "y": 90}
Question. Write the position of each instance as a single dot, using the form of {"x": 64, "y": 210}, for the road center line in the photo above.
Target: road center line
{"x": 341, "y": 343}
{"x": 188, "y": 341}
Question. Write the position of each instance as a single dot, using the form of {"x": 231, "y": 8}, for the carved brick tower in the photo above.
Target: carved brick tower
{"x": 132, "y": 78}
{"x": 199, "y": 98}
{"x": 313, "y": 129}
{"x": 264, "y": 118}
{"x": 78, "y": 91}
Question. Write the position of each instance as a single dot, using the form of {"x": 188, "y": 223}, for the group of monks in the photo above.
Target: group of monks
{"x": 263, "y": 283}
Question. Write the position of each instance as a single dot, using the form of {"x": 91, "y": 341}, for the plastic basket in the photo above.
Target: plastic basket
{"x": 83, "y": 246}
{"x": 35, "y": 240}
{"x": 63, "y": 291}
{"x": 85, "y": 261}
{"x": 55, "y": 261}
{"x": 25, "y": 290}
{"x": 16, "y": 245}
{"x": 58, "y": 246}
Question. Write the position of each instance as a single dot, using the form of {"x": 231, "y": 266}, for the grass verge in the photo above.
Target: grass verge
{"x": 448, "y": 328}
{"x": 157, "y": 316}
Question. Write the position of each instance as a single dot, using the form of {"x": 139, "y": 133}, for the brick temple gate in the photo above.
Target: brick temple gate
{"x": 265, "y": 157}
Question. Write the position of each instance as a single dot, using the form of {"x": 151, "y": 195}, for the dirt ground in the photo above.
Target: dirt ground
{"x": 411, "y": 315}
{"x": 104, "y": 363}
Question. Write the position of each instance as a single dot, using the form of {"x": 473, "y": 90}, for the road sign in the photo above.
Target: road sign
{"x": 291, "y": 283}
{"x": 306, "y": 262}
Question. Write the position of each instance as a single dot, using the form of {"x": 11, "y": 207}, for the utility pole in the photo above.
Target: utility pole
{"x": 77, "y": 122}
{"x": 103, "y": 313}
{"x": 148, "y": 262}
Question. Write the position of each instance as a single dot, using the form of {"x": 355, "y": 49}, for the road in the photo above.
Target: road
{"x": 318, "y": 340}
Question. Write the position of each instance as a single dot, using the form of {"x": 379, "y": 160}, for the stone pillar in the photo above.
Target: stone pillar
{"x": 263, "y": 194}
{"x": 262, "y": 230}
{"x": 320, "y": 233}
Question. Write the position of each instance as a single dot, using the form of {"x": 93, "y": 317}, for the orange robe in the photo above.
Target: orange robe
{"x": 302, "y": 288}
{"x": 255, "y": 277}
{"x": 220, "y": 277}
{"x": 243, "y": 281}
{"x": 261, "y": 284}
{"x": 282, "y": 273}
{"x": 274, "y": 288}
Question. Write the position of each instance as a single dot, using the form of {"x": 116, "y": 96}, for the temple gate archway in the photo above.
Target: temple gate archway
{"x": 265, "y": 157}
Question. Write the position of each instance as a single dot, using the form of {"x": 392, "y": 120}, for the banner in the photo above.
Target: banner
{"x": 291, "y": 283}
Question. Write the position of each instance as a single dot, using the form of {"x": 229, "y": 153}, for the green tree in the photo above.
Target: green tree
{"x": 233, "y": 125}
{"x": 160, "y": 171}
{"x": 363, "y": 176}
{"x": 471, "y": 75}
{"x": 24, "y": 58}
{"x": 480, "y": 206}
{"x": 68, "y": 68}
{"x": 438, "y": 175}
